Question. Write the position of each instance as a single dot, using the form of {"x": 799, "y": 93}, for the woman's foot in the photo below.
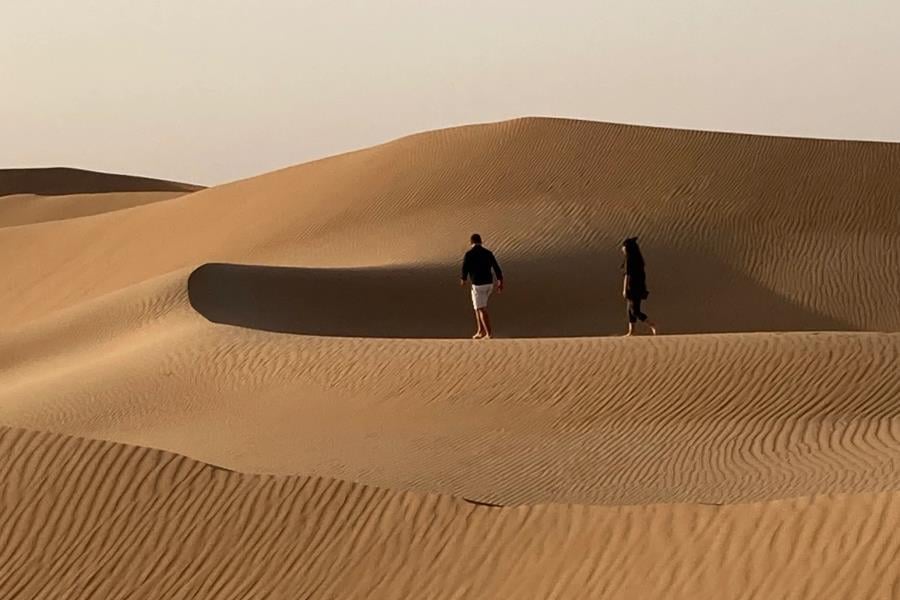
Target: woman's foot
{"x": 478, "y": 336}
{"x": 652, "y": 327}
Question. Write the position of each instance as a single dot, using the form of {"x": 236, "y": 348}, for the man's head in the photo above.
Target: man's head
{"x": 475, "y": 239}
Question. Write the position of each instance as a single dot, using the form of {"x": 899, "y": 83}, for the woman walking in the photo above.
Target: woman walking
{"x": 634, "y": 288}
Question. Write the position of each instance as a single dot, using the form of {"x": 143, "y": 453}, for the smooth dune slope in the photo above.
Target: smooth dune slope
{"x": 89, "y": 519}
{"x": 287, "y": 337}
{"x": 36, "y": 195}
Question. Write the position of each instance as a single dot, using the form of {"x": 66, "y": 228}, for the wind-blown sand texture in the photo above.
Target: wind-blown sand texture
{"x": 289, "y": 334}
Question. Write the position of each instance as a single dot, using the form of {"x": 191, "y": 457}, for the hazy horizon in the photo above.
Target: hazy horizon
{"x": 217, "y": 91}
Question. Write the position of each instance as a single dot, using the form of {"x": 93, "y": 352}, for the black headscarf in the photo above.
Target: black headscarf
{"x": 634, "y": 260}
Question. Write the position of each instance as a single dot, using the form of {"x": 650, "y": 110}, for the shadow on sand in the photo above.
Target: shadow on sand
{"x": 541, "y": 300}
{"x": 58, "y": 181}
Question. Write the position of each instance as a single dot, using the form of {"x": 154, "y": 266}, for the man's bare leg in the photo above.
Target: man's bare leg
{"x": 630, "y": 329}
{"x": 479, "y": 333}
{"x": 485, "y": 320}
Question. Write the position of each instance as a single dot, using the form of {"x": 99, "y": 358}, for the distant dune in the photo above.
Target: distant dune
{"x": 293, "y": 334}
{"x": 61, "y": 181}
{"x": 36, "y": 195}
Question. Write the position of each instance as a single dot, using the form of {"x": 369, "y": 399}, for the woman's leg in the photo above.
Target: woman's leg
{"x": 632, "y": 317}
{"x": 635, "y": 315}
{"x": 643, "y": 318}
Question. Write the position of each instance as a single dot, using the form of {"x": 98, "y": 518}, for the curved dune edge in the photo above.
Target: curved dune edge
{"x": 421, "y": 301}
{"x": 95, "y": 519}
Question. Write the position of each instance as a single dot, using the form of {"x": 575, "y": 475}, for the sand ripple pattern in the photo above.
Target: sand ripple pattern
{"x": 711, "y": 418}
{"x": 91, "y": 519}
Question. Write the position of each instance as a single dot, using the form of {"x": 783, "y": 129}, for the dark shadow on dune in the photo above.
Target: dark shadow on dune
{"x": 58, "y": 181}
{"x": 541, "y": 300}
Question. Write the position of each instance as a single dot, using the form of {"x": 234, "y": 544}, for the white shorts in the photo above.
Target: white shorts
{"x": 480, "y": 295}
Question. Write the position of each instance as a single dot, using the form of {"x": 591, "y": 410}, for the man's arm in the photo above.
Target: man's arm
{"x": 496, "y": 266}
{"x": 464, "y": 275}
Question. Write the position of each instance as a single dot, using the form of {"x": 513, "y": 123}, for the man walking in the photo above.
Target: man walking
{"x": 477, "y": 266}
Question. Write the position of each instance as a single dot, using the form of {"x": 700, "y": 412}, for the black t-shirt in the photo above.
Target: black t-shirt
{"x": 477, "y": 265}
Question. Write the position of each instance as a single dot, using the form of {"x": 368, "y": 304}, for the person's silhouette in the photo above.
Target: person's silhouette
{"x": 479, "y": 266}
{"x": 634, "y": 286}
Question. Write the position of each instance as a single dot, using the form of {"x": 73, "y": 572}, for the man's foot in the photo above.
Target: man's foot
{"x": 478, "y": 336}
{"x": 652, "y": 328}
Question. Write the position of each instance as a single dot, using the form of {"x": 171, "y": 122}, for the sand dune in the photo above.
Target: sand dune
{"x": 290, "y": 333}
{"x": 25, "y": 209}
{"x": 809, "y": 222}
{"x": 37, "y": 195}
{"x": 62, "y": 181}
{"x": 721, "y": 418}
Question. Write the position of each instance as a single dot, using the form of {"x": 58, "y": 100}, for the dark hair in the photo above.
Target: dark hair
{"x": 633, "y": 256}
{"x": 475, "y": 239}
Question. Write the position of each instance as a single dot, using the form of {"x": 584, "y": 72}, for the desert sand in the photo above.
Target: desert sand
{"x": 266, "y": 388}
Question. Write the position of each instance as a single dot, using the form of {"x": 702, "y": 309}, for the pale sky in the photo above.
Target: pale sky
{"x": 208, "y": 91}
